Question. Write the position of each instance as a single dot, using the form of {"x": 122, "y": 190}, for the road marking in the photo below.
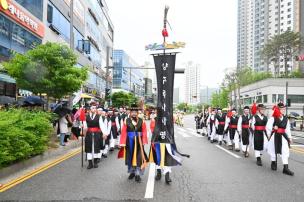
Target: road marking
{"x": 225, "y": 150}
{"x": 191, "y": 129}
{"x": 150, "y": 182}
{"x": 195, "y": 134}
{"x": 296, "y": 145}
{"x": 297, "y": 151}
{"x": 182, "y": 132}
{"x": 38, "y": 170}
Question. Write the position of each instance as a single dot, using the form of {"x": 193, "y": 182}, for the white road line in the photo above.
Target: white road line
{"x": 195, "y": 134}
{"x": 191, "y": 129}
{"x": 225, "y": 150}
{"x": 296, "y": 145}
{"x": 150, "y": 182}
{"x": 182, "y": 132}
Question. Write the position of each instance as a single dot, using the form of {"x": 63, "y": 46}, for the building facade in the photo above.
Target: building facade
{"x": 49, "y": 21}
{"x": 258, "y": 21}
{"x": 176, "y": 98}
{"x": 127, "y": 76}
{"x": 271, "y": 91}
{"x": 192, "y": 83}
{"x": 148, "y": 90}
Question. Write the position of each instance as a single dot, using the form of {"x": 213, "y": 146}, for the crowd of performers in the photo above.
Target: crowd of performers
{"x": 127, "y": 131}
{"x": 252, "y": 130}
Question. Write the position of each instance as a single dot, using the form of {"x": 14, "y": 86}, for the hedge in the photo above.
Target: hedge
{"x": 23, "y": 134}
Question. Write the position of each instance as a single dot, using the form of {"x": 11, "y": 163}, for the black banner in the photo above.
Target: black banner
{"x": 164, "y": 127}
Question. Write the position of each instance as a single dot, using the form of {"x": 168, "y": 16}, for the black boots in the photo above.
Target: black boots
{"x": 220, "y": 143}
{"x": 273, "y": 165}
{"x": 137, "y": 179}
{"x": 90, "y": 166}
{"x": 95, "y": 163}
{"x": 259, "y": 161}
{"x": 287, "y": 171}
{"x": 131, "y": 176}
{"x": 167, "y": 178}
{"x": 158, "y": 175}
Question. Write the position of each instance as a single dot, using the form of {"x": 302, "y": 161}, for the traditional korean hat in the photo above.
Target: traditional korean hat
{"x": 261, "y": 106}
{"x": 281, "y": 105}
{"x": 246, "y": 107}
{"x": 134, "y": 107}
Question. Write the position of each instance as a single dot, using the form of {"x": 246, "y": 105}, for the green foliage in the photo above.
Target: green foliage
{"x": 23, "y": 134}
{"x": 49, "y": 68}
{"x": 183, "y": 106}
{"x": 220, "y": 99}
{"x": 123, "y": 99}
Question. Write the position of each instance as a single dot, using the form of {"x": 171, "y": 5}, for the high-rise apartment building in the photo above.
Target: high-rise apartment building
{"x": 192, "y": 83}
{"x": 258, "y": 21}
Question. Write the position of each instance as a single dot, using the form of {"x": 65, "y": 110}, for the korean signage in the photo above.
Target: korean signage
{"x": 164, "y": 128}
{"x": 22, "y": 17}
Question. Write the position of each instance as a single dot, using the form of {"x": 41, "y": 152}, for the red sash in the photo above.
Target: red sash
{"x": 94, "y": 130}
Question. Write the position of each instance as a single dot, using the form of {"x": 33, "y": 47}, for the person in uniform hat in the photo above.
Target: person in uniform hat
{"x": 105, "y": 126}
{"x": 211, "y": 126}
{"x": 220, "y": 120}
{"x": 132, "y": 141}
{"x": 244, "y": 123}
{"x": 278, "y": 130}
{"x": 92, "y": 133}
{"x": 231, "y": 127}
{"x": 260, "y": 137}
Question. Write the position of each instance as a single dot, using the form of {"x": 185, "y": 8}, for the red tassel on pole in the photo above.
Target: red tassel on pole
{"x": 82, "y": 116}
{"x": 276, "y": 112}
{"x": 165, "y": 33}
{"x": 254, "y": 109}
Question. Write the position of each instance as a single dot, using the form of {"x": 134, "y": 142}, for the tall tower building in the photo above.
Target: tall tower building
{"x": 192, "y": 84}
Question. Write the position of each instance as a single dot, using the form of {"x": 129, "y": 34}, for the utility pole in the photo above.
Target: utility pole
{"x": 107, "y": 75}
{"x": 72, "y": 24}
{"x": 286, "y": 98}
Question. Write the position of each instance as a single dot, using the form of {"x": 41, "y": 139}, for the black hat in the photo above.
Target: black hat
{"x": 261, "y": 106}
{"x": 233, "y": 109}
{"x": 281, "y": 105}
{"x": 219, "y": 109}
{"x": 246, "y": 107}
{"x": 134, "y": 107}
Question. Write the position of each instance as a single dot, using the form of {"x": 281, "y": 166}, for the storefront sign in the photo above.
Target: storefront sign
{"x": 17, "y": 13}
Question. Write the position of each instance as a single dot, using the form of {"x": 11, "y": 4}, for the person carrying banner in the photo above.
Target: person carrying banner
{"x": 231, "y": 127}
{"x": 92, "y": 137}
{"x": 132, "y": 141}
{"x": 243, "y": 128}
{"x": 260, "y": 137}
{"x": 278, "y": 130}
{"x": 220, "y": 119}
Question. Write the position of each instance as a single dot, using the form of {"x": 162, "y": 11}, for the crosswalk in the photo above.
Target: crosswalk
{"x": 186, "y": 132}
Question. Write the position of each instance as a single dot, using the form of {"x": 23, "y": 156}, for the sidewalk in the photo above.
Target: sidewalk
{"x": 17, "y": 170}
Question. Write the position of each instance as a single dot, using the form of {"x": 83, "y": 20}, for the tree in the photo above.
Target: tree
{"x": 285, "y": 46}
{"x": 49, "y": 68}
{"x": 123, "y": 99}
{"x": 183, "y": 106}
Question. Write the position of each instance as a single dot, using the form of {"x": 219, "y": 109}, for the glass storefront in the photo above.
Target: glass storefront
{"x": 16, "y": 38}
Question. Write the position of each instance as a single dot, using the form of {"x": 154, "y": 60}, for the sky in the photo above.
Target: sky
{"x": 208, "y": 27}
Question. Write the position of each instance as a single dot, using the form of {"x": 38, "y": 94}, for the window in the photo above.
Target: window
{"x": 259, "y": 99}
{"x": 59, "y": 21}
{"x": 296, "y": 98}
{"x": 77, "y": 37}
{"x": 274, "y": 98}
{"x": 281, "y": 97}
{"x": 33, "y": 6}
{"x": 265, "y": 99}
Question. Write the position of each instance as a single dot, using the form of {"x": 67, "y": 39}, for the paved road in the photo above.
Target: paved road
{"x": 211, "y": 174}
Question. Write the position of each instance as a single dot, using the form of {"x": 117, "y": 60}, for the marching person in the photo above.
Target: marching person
{"x": 118, "y": 125}
{"x": 132, "y": 140}
{"x": 260, "y": 138}
{"x": 92, "y": 137}
{"x": 105, "y": 126}
{"x": 211, "y": 126}
{"x": 243, "y": 128}
{"x": 114, "y": 124}
{"x": 231, "y": 126}
{"x": 220, "y": 119}
{"x": 278, "y": 130}
{"x": 197, "y": 122}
